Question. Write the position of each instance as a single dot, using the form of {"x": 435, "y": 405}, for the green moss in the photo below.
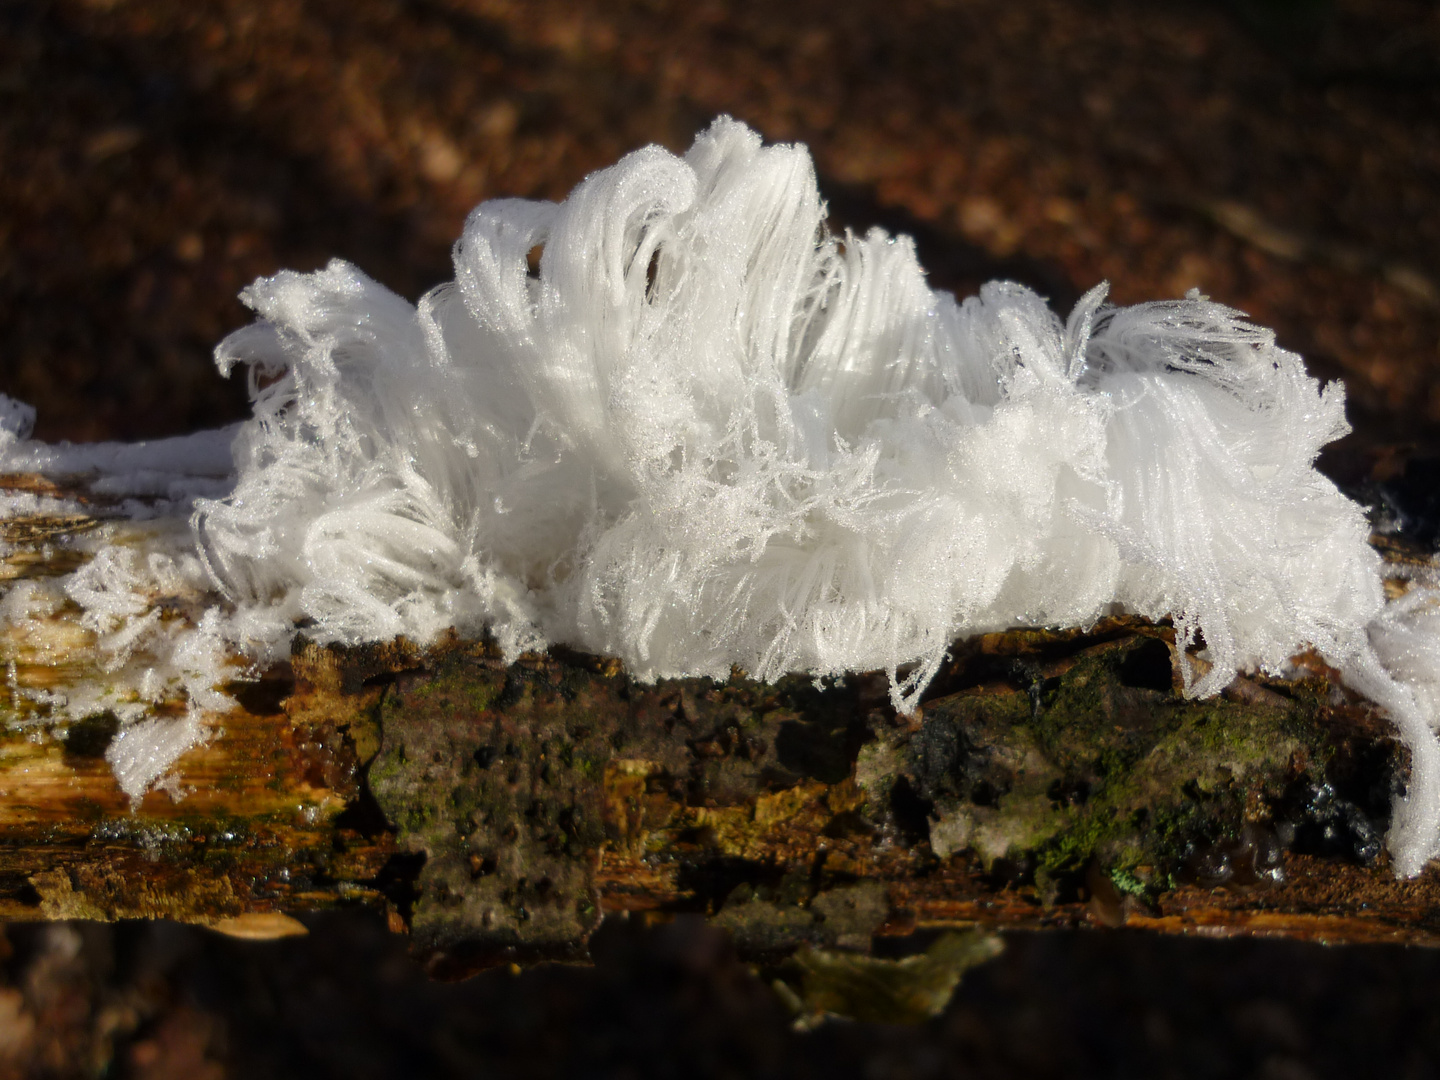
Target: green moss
{"x": 1069, "y": 849}
{"x": 1134, "y": 774}
{"x": 1127, "y": 882}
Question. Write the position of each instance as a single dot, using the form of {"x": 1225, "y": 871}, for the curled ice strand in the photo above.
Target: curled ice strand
{"x": 1400, "y": 670}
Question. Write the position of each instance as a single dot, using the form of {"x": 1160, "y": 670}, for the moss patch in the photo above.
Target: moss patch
{"x": 1097, "y": 757}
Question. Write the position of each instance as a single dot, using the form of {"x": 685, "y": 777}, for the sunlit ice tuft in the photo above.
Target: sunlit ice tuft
{"x": 705, "y": 434}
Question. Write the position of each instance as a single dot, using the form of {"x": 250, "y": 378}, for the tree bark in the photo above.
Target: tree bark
{"x": 497, "y": 813}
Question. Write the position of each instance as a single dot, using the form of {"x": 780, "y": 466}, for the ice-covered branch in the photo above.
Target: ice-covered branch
{"x": 708, "y": 434}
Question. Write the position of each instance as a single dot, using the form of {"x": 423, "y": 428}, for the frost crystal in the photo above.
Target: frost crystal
{"x": 707, "y": 433}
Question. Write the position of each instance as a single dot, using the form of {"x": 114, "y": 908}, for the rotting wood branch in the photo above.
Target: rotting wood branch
{"x": 1052, "y": 779}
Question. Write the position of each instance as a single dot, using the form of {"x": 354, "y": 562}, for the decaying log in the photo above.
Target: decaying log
{"x": 1051, "y": 779}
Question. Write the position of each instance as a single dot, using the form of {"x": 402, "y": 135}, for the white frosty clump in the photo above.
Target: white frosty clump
{"x": 139, "y": 616}
{"x": 707, "y": 433}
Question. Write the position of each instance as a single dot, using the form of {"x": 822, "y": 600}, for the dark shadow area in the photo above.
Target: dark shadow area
{"x": 150, "y": 1000}
{"x": 147, "y": 204}
{"x": 165, "y": 168}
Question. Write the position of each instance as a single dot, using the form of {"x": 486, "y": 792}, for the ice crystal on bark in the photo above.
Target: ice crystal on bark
{"x": 707, "y": 433}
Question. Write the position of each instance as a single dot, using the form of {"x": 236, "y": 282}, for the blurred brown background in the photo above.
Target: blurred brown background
{"x": 1282, "y": 155}
{"x": 157, "y": 155}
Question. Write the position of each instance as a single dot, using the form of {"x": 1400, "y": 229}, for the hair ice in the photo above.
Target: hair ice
{"x": 707, "y": 434}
